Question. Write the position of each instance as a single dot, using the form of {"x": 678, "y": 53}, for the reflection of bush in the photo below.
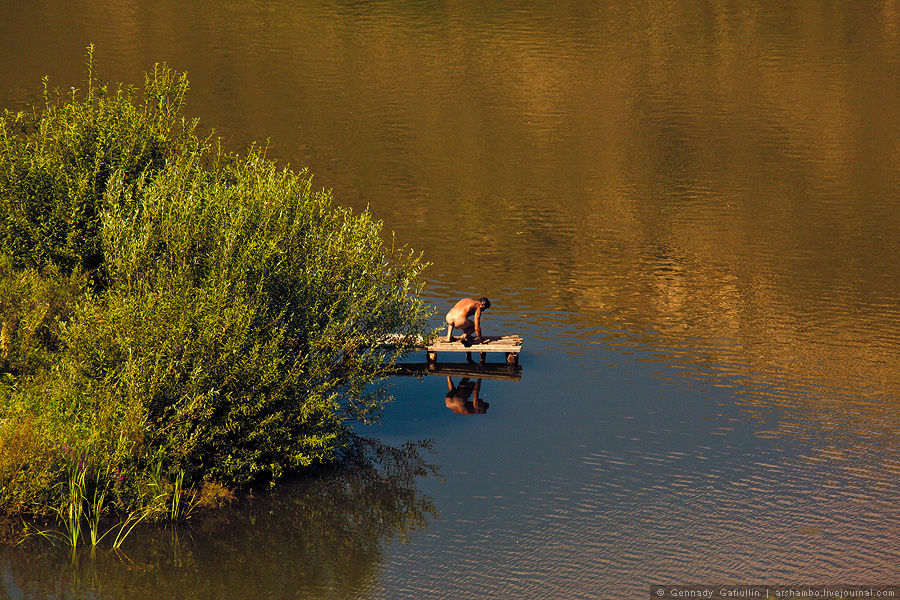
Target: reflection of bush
{"x": 317, "y": 537}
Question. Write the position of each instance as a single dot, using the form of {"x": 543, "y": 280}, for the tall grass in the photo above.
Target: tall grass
{"x": 175, "y": 316}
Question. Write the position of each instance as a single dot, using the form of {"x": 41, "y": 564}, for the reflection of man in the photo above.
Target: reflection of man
{"x": 458, "y": 317}
{"x": 457, "y": 398}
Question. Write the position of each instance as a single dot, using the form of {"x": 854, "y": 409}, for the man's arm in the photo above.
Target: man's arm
{"x": 478, "y": 324}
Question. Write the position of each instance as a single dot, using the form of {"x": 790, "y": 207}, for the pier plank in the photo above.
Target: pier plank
{"x": 510, "y": 345}
{"x": 501, "y": 343}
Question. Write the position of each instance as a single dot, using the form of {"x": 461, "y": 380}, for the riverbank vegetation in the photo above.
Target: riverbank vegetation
{"x": 177, "y": 320}
{"x": 336, "y": 527}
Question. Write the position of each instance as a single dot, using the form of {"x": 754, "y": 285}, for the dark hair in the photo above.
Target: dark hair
{"x": 487, "y": 303}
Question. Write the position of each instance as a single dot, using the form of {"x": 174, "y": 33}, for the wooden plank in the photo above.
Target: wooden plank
{"x": 501, "y": 343}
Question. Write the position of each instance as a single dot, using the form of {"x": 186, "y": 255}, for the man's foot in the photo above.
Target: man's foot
{"x": 465, "y": 341}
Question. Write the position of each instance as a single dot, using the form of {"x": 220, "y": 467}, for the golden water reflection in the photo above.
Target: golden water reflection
{"x": 712, "y": 186}
{"x": 717, "y": 172}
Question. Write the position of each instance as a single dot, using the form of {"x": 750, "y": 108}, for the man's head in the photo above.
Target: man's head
{"x": 485, "y": 303}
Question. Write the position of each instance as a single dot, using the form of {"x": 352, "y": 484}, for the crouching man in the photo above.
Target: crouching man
{"x": 458, "y": 317}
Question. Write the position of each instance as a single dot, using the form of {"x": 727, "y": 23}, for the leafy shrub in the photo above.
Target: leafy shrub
{"x": 170, "y": 310}
{"x": 57, "y": 162}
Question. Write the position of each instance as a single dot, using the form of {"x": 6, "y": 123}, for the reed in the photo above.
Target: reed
{"x": 86, "y": 510}
{"x": 73, "y": 510}
{"x": 132, "y": 520}
{"x": 95, "y": 509}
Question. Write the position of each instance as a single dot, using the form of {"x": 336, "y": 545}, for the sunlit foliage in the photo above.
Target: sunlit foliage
{"x": 171, "y": 310}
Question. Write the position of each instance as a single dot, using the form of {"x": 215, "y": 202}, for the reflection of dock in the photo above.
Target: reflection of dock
{"x": 472, "y": 370}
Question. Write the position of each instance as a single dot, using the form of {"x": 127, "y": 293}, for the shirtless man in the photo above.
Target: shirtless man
{"x": 459, "y": 317}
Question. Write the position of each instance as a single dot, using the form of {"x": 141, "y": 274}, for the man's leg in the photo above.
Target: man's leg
{"x": 468, "y": 329}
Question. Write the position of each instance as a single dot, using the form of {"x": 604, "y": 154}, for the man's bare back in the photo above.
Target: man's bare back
{"x": 458, "y": 317}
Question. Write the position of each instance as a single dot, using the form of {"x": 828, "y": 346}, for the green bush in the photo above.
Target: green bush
{"x": 57, "y": 162}
{"x": 170, "y": 310}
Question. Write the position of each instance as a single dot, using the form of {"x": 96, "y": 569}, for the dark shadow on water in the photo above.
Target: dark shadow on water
{"x": 500, "y": 371}
{"x": 321, "y": 536}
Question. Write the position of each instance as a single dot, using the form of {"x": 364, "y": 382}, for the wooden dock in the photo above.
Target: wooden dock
{"x": 510, "y": 345}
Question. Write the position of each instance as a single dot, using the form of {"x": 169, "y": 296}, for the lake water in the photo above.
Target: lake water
{"x": 691, "y": 212}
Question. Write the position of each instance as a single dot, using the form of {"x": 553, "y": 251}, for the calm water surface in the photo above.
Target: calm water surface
{"x": 691, "y": 210}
